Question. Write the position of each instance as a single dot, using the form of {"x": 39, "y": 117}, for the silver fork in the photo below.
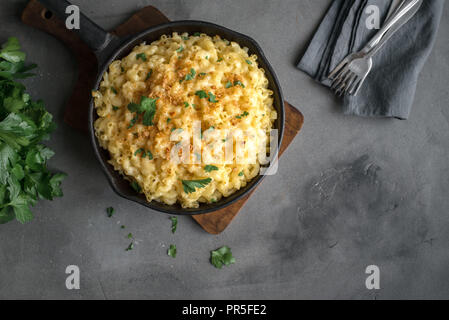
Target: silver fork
{"x": 349, "y": 75}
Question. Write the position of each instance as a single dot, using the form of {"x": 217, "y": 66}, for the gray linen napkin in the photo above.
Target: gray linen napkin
{"x": 390, "y": 88}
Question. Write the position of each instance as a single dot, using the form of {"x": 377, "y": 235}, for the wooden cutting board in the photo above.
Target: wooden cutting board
{"x": 76, "y": 114}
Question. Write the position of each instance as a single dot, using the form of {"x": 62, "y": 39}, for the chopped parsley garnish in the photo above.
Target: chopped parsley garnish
{"x": 141, "y": 56}
{"x": 180, "y": 49}
{"x": 248, "y": 61}
{"x": 239, "y": 83}
{"x": 115, "y": 108}
{"x": 122, "y": 227}
{"x": 168, "y": 120}
{"x": 207, "y": 57}
{"x": 194, "y": 106}
{"x": 210, "y": 168}
{"x": 219, "y": 60}
{"x": 114, "y": 90}
{"x": 147, "y": 106}
{"x": 213, "y": 200}
{"x": 110, "y": 211}
{"x": 197, "y": 34}
{"x": 136, "y": 186}
{"x": 130, "y": 247}
{"x": 133, "y": 121}
{"x": 144, "y": 153}
{"x": 174, "y": 224}
{"x": 228, "y": 84}
{"x": 185, "y": 38}
{"x": 189, "y": 76}
{"x": 212, "y": 98}
{"x": 130, "y": 236}
{"x": 201, "y": 94}
{"x": 141, "y": 150}
{"x": 190, "y": 186}
{"x": 186, "y": 104}
{"x": 172, "y": 251}
{"x": 241, "y": 174}
{"x": 202, "y": 74}
{"x": 244, "y": 114}
{"x": 222, "y": 256}
{"x": 149, "y": 74}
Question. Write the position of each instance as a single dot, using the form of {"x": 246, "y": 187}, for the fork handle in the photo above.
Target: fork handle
{"x": 406, "y": 11}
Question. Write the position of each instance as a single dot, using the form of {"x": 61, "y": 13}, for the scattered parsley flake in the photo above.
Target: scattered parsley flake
{"x": 174, "y": 224}
{"x": 241, "y": 174}
{"x": 219, "y": 60}
{"x": 210, "y": 168}
{"x": 130, "y": 247}
{"x": 115, "y": 108}
{"x": 248, "y": 61}
{"x": 172, "y": 251}
{"x": 147, "y": 107}
{"x": 130, "y": 236}
{"x": 222, "y": 256}
{"x": 141, "y": 150}
{"x": 212, "y": 98}
{"x": 136, "y": 186}
{"x": 141, "y": 56}
{"x": 114, "y": 90}
{"x": 228, "y": 84}
{"x": 186, "y": 104}
{"x": 180, "y": 49}
{"x": 239, "y": 83}
{"x": 168, "y": 120}
{"x": 149, "y": 74}
{"x": 197, "y": 34}
{"x": 190, "y": 186}
{"x": 201, "y": 94}
{"x": 110, "y": 211}
{"x": 185, "y": 38}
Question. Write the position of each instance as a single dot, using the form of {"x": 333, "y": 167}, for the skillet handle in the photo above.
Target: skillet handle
{"x": 92, "y": 34}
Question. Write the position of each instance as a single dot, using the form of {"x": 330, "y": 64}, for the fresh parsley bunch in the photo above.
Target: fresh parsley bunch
{"x": 24, "y": 177}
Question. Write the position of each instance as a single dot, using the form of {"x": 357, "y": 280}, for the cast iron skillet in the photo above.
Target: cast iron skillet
{"x": 108, "y": 48}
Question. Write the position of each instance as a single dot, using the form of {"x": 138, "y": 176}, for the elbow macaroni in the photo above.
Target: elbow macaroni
{"x": 173, "y": 69}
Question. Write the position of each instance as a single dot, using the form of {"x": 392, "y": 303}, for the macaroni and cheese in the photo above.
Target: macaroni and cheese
{"x": 159, "y": 91}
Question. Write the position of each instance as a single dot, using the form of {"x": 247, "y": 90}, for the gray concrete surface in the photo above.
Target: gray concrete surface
{"x": 350, "y": 192}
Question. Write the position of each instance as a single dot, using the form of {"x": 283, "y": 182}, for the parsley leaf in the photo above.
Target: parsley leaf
{"x": 172, "y": 251}
{"x": 110, "y": 211}
{"x": 248, "y": 61}
{"x": 141, "y": 56}
{"x": 210, "y": 168}
{"x": 185, "y": 38}
{"x": 149, "y": 74}
{"x": 147, "y": 107}
{"x": 114, "y": 90}
{"x": 190, "y": 76}
{"x": 24, "y": 176}
{"x": 190, "y": 186}
{"x": 212, "y": 98}
{"x": 201, "y": 94}
{"x": 197, "y": 34}
{"x": 180, "y": 49}
{"x": 244, "y": 114}
{"x": 174, "y": 224}
{"x": 186, "y": 104}
{"x": 115, "y": 108}
{"x": 241, "y": 174}
{"x": 136, "y": 186}
{"x": 130, "y": 247}
{"x": 222, "y": 256}
{"x": 239, "y": 83}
